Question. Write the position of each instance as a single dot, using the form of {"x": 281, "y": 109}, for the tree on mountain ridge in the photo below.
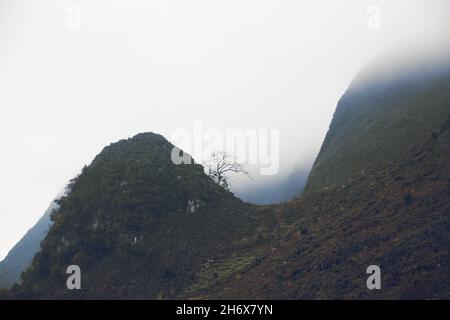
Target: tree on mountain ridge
{"x": 221, "y": 165}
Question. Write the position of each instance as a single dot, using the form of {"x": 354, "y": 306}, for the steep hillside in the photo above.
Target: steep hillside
{"x": 383, "y": 112}
{"x": 379, "y": 194}
{"x": 20, "y": 256}
{"x": 139, "y": 226}
{"x": 398, "y": 219}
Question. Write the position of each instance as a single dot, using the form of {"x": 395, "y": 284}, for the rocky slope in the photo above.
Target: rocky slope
{"x": 139, "y": 227}
{"x": 378, "y": 194}
{"x": 398, "y": 219}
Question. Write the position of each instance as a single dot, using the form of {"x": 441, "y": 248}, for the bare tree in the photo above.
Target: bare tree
{"x": 221, "y": 165}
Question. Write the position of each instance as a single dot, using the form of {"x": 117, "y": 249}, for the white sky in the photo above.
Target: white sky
{"x": 137, "y": 66}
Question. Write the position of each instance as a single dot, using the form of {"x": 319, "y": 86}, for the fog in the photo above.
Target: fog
{"x": 78, "y": 75}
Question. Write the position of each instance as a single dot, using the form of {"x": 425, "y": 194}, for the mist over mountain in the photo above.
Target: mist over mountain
{"x": 378, "y": 194}
{"x": 141, "y": 227}
{"x": 394, "y": 101}
{"x": 276, "y": 190}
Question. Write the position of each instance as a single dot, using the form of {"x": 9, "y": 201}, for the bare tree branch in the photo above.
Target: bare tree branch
{"x": 219, "y": 167}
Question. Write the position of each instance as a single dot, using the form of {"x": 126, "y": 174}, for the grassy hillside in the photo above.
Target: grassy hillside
{"x": 398, "y": 219}
{"x": 141, "y": 227}
{"x": 378, "y": 194}
{"x": 378, "y": 118}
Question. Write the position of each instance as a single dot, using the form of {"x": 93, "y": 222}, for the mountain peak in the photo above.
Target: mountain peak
{"x": 137, "y": 225}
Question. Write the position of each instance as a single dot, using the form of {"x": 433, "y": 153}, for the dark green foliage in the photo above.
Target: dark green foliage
{"x": 397, "y": 217}
{"x": 376, "y": 121}
{"x": 379, "y": 193}
{"x": 138, "y": 225}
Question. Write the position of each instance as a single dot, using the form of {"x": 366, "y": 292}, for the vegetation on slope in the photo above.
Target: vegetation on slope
{"x": 398, "y": 219}
{"x": 379, "y": 193}
{"x": 138, "y": 226}
{"x": 377, "y": 117}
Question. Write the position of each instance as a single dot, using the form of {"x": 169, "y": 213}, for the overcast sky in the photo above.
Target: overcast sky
{"x": 67, "y": 89}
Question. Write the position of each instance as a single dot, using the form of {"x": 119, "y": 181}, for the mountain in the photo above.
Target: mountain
{"x": 276, "y": 191}
{"x": 392, "y": 103}
{"x": 141, "y": 227}
{"x": 294, "y": 185}
{"x": 378, "y": 194}
{"x": 20, "y": 256}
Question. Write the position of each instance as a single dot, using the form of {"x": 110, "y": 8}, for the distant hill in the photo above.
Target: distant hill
{"x": 141, "y": 227}
{"x": 277, "y": 191}
{"x": 20, "y": 256}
